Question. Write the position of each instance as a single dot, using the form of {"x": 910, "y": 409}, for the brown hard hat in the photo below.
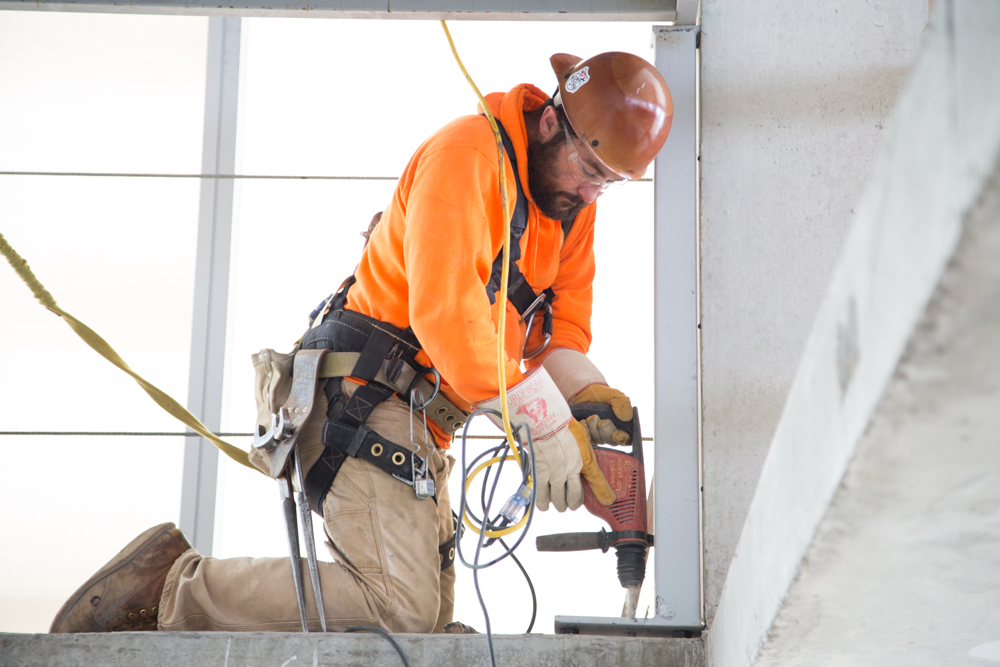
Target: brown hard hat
{"x": 619, "y": 105}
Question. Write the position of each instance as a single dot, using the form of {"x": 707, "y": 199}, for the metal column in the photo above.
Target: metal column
{"x": 211, "y": 287}
{"x": 676, "y": 459}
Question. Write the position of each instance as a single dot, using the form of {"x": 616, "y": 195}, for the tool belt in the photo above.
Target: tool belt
{"x": 383, "y": 356}
{"x": 277, "y": 385}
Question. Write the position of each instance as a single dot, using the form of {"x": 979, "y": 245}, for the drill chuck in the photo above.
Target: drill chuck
{"x": 631, "y": 563}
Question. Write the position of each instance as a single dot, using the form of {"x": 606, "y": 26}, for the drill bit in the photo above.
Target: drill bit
{"x": 631, "y": 601}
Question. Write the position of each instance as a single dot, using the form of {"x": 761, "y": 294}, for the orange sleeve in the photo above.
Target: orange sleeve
{"x": 453, "y": 231}
{"x": 574, "y": 290}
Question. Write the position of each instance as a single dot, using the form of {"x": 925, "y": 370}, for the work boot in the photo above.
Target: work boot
{"x": 459, "y": 628}
{"x": 125, "y": 593}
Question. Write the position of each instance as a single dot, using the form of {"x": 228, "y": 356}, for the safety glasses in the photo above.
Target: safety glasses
{"x": 585, "y": 173}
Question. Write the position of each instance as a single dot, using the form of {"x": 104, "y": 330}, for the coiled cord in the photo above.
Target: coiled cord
{"x": 496, "y": 523}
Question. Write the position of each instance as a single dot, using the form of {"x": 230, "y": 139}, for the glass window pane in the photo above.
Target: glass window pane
{"x": 122, "y": 266}
{"x": 126, "y": 269}
{"x": 70, "y": 504}
{"x": 101, "y": 93}
{"x": 356, "y": 97}
{"x": 93, "y": 93}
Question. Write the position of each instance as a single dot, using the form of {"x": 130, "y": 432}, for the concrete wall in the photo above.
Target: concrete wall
{"x": 795, "y": 96}
{"x": 941, "y": 145}
{"x": 904, "y": 570}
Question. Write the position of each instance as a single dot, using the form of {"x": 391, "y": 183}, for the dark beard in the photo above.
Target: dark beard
{"x": 557, "y": 204}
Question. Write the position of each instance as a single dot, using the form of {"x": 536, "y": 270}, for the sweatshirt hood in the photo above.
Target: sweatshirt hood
{"x": 509, "y": 109}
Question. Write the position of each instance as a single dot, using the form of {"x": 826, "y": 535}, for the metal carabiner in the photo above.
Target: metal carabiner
{"x": 548, "y": 336}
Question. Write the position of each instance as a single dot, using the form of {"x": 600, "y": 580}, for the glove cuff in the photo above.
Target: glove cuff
{"x": 535, "y": 401}
{"x": 572, "y": 371}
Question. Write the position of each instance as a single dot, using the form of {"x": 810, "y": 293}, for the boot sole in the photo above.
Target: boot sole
{"x": 110, "y": 568}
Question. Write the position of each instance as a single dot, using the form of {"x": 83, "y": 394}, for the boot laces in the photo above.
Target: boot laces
{"x": 134, "y": 620}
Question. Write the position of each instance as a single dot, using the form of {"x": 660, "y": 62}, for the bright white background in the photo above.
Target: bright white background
{"x": 103, "y": 93}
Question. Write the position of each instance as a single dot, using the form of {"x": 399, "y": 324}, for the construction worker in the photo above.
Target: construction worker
{"x": 423, "y": 297}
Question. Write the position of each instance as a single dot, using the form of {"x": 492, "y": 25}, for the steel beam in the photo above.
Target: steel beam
{"x": 497, "y": 10}
{"x": 677, "y": 556}
{"x": 687, "y": 12}
{"x": 211, "y": 288}
{"x": 678, "y": 415}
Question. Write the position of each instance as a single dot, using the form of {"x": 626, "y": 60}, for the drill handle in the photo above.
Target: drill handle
{"x": 603, "y": 411}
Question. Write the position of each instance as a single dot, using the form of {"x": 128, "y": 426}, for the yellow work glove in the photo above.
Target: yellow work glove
{"x": 563, "y": 452}
{"x": 603, "y": 431}
{"x": 590, "y": 470}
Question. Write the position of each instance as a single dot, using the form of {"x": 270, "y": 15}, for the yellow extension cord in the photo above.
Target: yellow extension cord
{"x": 502, "y": 318}
{"x": 178, "y": 411}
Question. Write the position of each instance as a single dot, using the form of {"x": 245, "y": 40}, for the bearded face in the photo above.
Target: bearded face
{"x": 551, "y": 187}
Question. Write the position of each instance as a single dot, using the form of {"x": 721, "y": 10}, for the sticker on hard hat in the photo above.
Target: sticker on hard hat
{"x": 577, "y": 79}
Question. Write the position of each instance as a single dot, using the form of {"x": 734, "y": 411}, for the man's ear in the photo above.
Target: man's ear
{"x": 548, "y": 124}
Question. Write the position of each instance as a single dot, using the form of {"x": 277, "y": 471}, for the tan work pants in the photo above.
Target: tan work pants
{"x": 383, "y": 538}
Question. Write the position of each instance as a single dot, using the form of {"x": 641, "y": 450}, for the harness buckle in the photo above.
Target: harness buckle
{"x": 423, "y": 483}
{"x": 424, "y": 488}
{"x": 398, "y": 371}
{"x": 529, "y": 312}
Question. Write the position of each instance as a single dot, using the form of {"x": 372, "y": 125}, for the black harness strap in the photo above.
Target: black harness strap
{"x": 321, "y": 475}
{"x": 364, "y": 443}
{"x": 374, "y": 354}
{"x": 518, "y": 223}
{"x": 362, "y": 403}
{"x": 519, "y": 292}
{"x": 447, "y": 553}
{"x": 344, "y": 434}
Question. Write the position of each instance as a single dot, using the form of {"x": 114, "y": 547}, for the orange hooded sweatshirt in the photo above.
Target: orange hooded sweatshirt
{"x": 428, "y": 261}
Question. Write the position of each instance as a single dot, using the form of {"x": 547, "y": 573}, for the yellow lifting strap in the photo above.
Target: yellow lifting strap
{"x": 102, "y": 348}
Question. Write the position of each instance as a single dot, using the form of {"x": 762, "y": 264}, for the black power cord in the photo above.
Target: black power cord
{"x": 531, "y": 587}
{"x": 496, "y": 451}
{"x": 498, "y": 522}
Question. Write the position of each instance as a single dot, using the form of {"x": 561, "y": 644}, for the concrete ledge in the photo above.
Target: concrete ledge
{"x": 153, "y": 649}
{"x": 904, "y": 570}
{"x": 940, "y": 148}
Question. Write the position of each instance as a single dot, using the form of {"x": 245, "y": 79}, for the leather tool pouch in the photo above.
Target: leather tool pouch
{"x": 289, "y": 385}
{"x": 272, "y": 383}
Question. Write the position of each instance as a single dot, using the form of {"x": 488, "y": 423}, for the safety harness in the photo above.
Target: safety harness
{"x": 384, "y": 356}
{"x": 519, "y": 292}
